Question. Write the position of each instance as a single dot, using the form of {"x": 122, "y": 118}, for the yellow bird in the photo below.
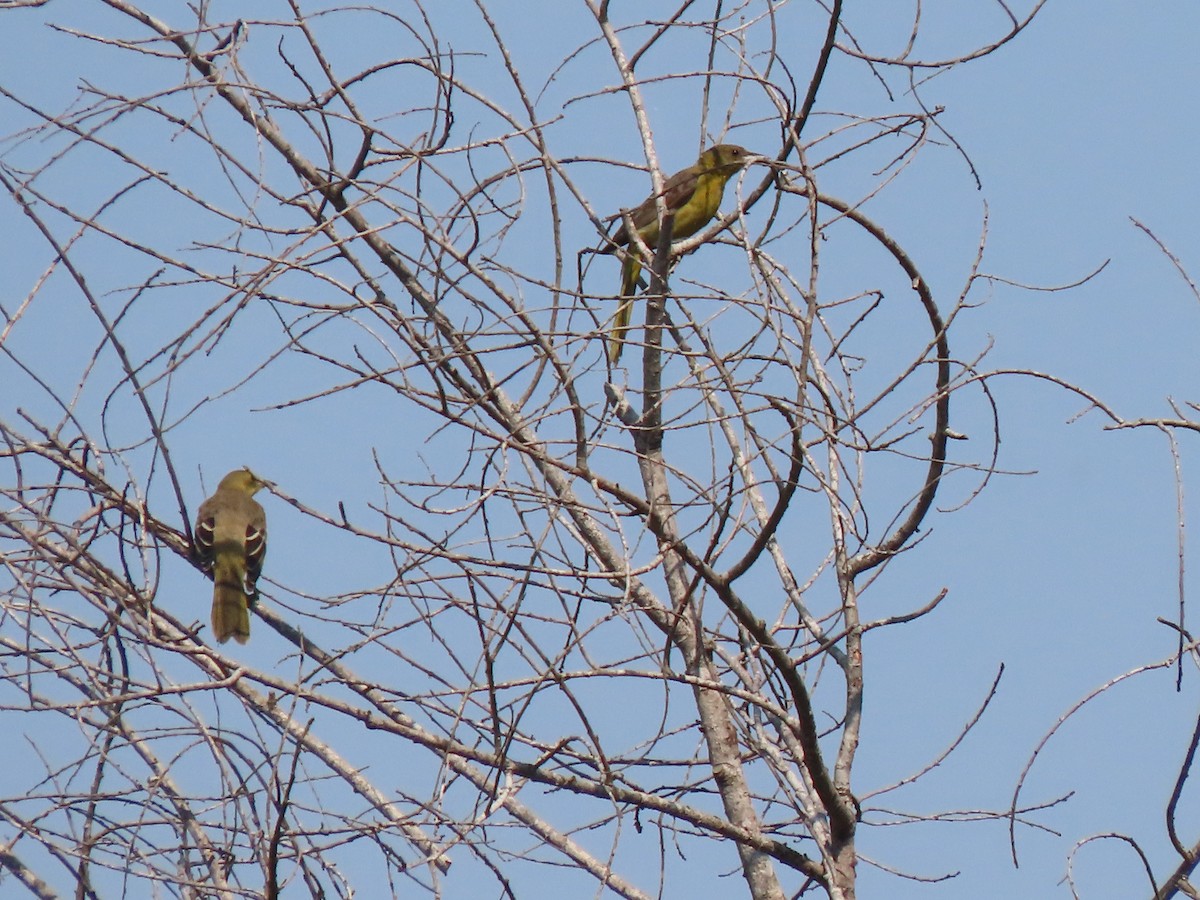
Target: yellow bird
{"x": 693, "y": 195}
{"x": 231, "y": 539}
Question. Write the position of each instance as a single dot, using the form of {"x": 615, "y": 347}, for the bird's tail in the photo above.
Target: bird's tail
{"x": 620, "y": 326}
{"x": 631, "y": 268}
{"x": 230, "y": 610}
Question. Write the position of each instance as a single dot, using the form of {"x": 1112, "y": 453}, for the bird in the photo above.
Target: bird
{"x": 231, "y": 540}
{"x": 693, "y": 196}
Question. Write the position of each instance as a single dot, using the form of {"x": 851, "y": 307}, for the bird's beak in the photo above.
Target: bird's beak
{"x": 781, "y": 166}
{"x": 757, "y": 158}
{"x": 263, "y": 482}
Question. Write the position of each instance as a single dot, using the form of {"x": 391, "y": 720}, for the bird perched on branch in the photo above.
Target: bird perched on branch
{"x": 231, "y": 539}
{"x": 692, "y": 196}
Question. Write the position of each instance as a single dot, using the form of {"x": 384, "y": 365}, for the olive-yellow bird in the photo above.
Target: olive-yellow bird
{"x": 231, "y": 538}
{"x": 693, "y": 196}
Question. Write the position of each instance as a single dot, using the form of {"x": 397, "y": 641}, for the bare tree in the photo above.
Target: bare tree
{"x": 596, "y": 627}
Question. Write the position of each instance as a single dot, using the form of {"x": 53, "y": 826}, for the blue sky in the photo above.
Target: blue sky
{"x": 1056, "y": 571}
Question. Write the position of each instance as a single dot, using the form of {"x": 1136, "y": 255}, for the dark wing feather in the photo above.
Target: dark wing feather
{"x": 256, "y": 552}
{"x": 204, "y": 535}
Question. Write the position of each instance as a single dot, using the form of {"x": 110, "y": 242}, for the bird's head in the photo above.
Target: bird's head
{"x": 242, "y": 480}
{"x": 726, "y": 159}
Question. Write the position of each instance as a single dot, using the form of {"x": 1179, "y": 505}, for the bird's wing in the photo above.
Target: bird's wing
{"x": 204, "y": 535}
{"x": 677, "y": 190}
{"x": 256, "y": 543}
